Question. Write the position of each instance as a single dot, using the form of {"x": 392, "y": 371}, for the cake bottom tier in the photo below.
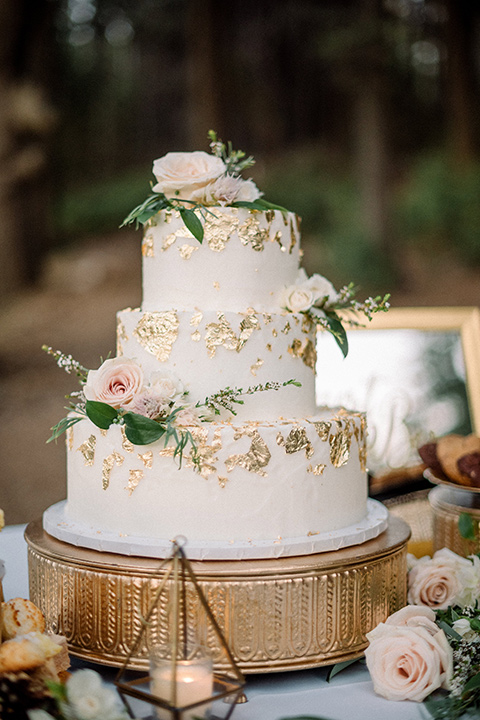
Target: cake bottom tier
{"x": 276, "y": 614}
{"x": 257, "y": 482}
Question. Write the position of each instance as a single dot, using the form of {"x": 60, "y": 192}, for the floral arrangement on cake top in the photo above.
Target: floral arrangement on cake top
{"x": 118, "y": 394}
{"x": 190, "y": 182}
{"x": 193, "y": 182}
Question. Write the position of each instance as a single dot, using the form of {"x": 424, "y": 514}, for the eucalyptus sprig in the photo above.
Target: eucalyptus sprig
{"x": 228, "y": 397}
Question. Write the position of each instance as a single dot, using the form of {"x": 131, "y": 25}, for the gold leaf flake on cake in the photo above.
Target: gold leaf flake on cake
{"x": 121, "y": 336}
{"x": 147, "y": 459}
{"x": 103, "y": 432}
{"x": 147, "y": 246}
{"x": 287, "y": 328}
{"x": 296, "y": 440}
{"x": 222, "y": 481}
{"x": 340, "y": 446}
{"x": 306, "y": 324}
{"x": 186, "y": 251}
{"x": 267, "y": 318}
{"x": 305, "y": 350}
{"x": 69, "y": 437}
{"x": 269, "y": 347}
{"x": 270, "y": 216}
{"x": 216, "y": 285}
{"x": 167, "y": 452}
{"x": 316, "y": 469}
{"x": 134, "y": 478}
{"x": 196, "y": 318}
{"x": 218, "y": 229}
{"x": 157, "y": 332}
{"x": 87, "y": 449}
{"x": 293, "y": 237}
{"x": 250, "y": 233}
{"x": 126, "y": 444}
{"x": 274, "y": 332}
{"x": 256, "y": 366}
{"x": 196, "y": 337}
{"x": 278, "y": 239}
{"x": 247, "y": 326}
{"x": 220, "y": 333}
{"x": 107, "y": 466}
{"x": 323, "y": 428}
{"x": 257, "y": 457}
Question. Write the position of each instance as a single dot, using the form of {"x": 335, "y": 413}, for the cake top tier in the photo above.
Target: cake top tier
{"x": 245, "y": 260}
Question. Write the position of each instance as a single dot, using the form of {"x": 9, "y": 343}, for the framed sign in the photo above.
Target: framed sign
{"x": 415, "y": 371}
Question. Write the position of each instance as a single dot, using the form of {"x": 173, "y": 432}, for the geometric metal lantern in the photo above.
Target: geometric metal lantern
{"x": 182, "y": 684}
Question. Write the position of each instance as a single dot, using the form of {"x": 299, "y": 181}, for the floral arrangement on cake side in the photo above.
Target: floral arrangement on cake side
{"x": 193, "y": 182}
{"x": 119, "y": 394}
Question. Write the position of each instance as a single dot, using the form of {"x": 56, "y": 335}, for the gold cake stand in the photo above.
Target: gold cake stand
{"x": 276, "y": 614}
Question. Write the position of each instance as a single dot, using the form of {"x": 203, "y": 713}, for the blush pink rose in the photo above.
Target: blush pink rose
{"x": 408, "y": 663}
{"x": 116, "y": 382}
{"x": 437, "y": 582}
{"x": 186, "y": 174}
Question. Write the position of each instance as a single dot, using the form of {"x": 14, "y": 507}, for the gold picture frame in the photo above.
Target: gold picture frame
{"x": 460, "y": 324}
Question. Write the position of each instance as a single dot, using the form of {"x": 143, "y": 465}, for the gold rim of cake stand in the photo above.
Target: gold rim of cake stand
{"x": 302, "y": 611}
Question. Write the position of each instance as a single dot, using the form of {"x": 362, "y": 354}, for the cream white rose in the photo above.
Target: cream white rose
{"x": 116, "y": 382}
{"x": 166, "y": 385}
{"x": 297, "y": 298}
{"x": 414, "y": 616}
{"x": 186, "y": 174}
{"x": 408, "y": 663}
{"x": 446, "y": 579}
{"x": 323, "y": 291}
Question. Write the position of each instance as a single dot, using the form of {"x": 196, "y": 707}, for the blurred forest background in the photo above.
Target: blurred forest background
{"x": 362, "y": 115}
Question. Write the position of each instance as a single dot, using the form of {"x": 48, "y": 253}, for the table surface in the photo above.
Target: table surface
{"x": 276, "y": 696}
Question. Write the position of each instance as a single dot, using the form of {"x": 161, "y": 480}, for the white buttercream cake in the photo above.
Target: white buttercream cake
{"x": 277, "y": 471}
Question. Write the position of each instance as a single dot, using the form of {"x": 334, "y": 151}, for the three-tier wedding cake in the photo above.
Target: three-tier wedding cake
{"x": 204, "y": 424}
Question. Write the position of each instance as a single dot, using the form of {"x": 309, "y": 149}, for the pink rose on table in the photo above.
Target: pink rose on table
{"x": 116, "y": 382}
{"x": 408, "y": 662}
{"x": 446, "y": 579}
{"x": 186, "y": 174}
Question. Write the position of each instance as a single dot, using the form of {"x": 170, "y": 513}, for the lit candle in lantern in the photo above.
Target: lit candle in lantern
{"x": 193, "y": 682}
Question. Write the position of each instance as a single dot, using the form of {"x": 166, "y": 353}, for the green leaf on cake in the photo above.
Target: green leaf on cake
{"x": 141, "y": 430}
{"x": 101, "y": 414}
{"x": 338, "y": 332}
{"x": 150, "y": 207}
{"x": 192, "y": 223}
{"x": 466, "y": 527}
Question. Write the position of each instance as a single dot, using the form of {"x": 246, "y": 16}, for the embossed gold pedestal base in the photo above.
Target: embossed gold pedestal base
{"x": 276, "y": 614}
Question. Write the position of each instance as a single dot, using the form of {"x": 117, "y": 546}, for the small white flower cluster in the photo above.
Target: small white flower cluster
{"x": 198, "y": 177}
{"x": 120, "y": 383}
{"x": 88, "y": 698}
{"x": 66, "y": 362}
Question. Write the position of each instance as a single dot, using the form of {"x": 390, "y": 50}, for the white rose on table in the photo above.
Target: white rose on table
{"x": 408, "y": 662}
{"x": 463, "y": 628}
{"x": 186, "y": 174}
{"x": 443, "y": 580}
{"x": 91, "y": 699}
{"x": 297, "y": 298}
{"x": 116, "y": 382}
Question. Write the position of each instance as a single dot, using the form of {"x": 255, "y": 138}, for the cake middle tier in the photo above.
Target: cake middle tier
{"x": 209, "y": 351}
